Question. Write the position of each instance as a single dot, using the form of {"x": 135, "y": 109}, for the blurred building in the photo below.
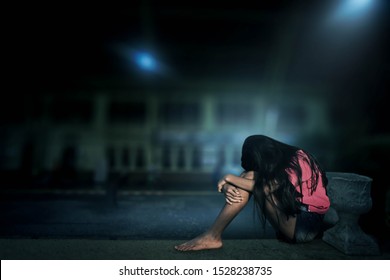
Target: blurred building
{"x": 169, "y": 134}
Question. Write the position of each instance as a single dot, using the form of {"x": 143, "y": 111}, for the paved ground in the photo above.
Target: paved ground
{"x": 138, "y": 226}
{"x": 136, "y": 215}
{"x": 234, "y": 249}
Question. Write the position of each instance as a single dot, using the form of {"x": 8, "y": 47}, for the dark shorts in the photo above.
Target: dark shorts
{"x": 309, "y": 226}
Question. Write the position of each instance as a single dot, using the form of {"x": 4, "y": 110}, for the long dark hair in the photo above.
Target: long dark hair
{"x": 270, "y": 160}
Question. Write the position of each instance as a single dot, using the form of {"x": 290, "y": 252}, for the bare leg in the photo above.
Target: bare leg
{"x": 279, "y": 220}
{"x": 212, "y": 238}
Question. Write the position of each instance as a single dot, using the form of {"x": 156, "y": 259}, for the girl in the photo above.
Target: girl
{"x": 289, "y": 188}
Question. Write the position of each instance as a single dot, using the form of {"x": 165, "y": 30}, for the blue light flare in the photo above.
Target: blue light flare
{"x": 351, "y": 9}
{"x": 145, "y": 61}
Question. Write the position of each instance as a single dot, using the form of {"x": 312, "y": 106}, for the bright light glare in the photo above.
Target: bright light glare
{"x": 145, "y": 61}
{"x": 359, "y": 3}
{"x": 351, "y": 9}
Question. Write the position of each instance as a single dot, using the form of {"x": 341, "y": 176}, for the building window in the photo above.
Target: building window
{"x": 181, "y": 161}
{"x": 111, "y": 157}
{"x": 166, "y": 156}
{"x": 125, "y": 157}
{"x": 127, "y": 112}
{"x": 140, "y": 160}
{"x": 229, "y": 113}
{"x": 180, "y": 113}
{"x": 197, "y": 157}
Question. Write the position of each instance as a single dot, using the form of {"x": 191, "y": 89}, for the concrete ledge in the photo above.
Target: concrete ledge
{"x": 246, "y": 249}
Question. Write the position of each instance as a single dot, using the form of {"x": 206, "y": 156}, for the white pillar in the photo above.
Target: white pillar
{"x": 208, "y": 118}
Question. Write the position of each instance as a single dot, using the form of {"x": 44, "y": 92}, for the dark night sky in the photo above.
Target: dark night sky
{"x": 79, "y": 41}
{"x": 63, "y": 44}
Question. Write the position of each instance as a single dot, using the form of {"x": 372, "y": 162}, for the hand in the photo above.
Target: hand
{"x": 232, "y": 194}
{"x": 223, "y": 182}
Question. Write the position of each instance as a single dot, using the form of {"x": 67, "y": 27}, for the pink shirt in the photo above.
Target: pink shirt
{"x": 317, "y": 201}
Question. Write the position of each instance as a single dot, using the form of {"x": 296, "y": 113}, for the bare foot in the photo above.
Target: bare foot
{"x": 202, "y": 242}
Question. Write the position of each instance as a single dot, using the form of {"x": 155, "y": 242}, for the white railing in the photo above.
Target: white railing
{"x": 173, "y": 158}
